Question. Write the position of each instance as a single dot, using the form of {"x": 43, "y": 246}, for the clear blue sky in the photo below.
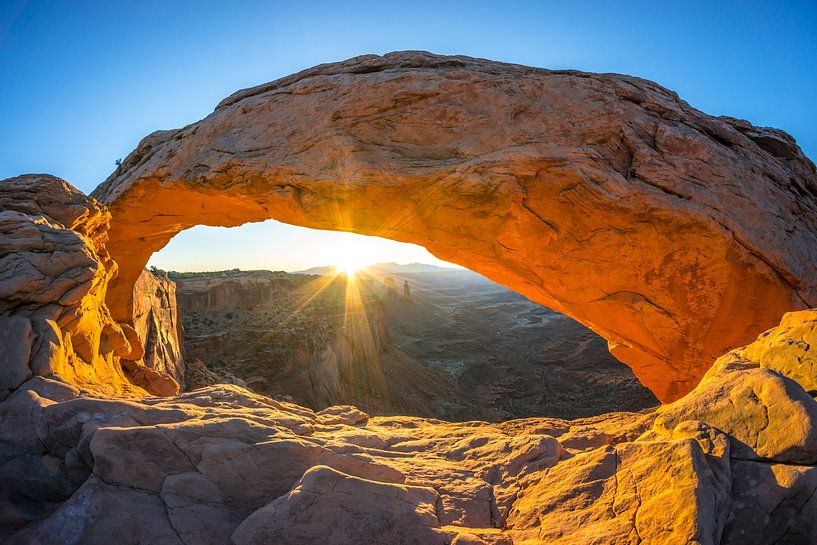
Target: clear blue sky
{"x": 82, "y": 82}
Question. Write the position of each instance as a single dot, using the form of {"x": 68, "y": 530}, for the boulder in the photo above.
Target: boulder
{"x": 755, "y": 394}
{"x": 673, "y": 491}
{"x": 787, "y": 349}
{"x": 327, "y": 506}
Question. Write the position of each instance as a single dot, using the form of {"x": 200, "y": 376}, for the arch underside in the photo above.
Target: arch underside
{"x": 673, "y": 234}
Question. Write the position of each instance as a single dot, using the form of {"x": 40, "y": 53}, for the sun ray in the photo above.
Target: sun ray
{"x": 323, "y": 282}
{"x": 358, "y": 333}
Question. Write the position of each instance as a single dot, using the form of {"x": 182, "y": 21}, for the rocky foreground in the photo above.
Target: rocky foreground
{"x": 733, "y": 462}
{"x": 86, "y": 453}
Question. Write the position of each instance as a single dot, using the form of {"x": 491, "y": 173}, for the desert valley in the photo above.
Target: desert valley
{"x": 443, "y": 343}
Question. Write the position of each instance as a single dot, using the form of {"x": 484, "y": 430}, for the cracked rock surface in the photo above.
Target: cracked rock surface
{"x": 223, "y": 465}
{"x": 589, "y": 201}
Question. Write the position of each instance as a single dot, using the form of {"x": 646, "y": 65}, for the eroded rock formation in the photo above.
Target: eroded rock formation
{"x": 228, "y": 290}
{"x": 733, "y": 462}
{"x": 54, "y": 272}
{"x": 318, "y": 340}
{"x": 156, "y": 321}
{"x": 674, "y": 234}
{"x": 457, "y": 347}
{"x": 605, "y": 196}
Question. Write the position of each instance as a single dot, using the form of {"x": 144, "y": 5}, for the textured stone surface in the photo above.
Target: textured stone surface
{"x": 674, "y": 234}
{"x": 778, "y": 419}
{"x": 404, "y": 514}
{"x": 789, "y": 349}
{"x": 54, "y": 273}
{"x": 156, "y": 322}
{"x": 674, "y": 491}
{"x": 234, "y": 290}
{"x": 772, "y": 503}
{"x": 223, "y": 465}
{"x": 731, "y": 462}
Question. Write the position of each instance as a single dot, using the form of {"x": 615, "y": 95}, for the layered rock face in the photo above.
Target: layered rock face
{"x": 733, "y": 462}
{"x": 157, "y": 323}
{"x": 674, "y": 234}
{"x": 232, "y": 290}
{"x": 54, "y": 272}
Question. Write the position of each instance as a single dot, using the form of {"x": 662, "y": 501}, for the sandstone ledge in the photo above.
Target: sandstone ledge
{"x": 222, "y": 465}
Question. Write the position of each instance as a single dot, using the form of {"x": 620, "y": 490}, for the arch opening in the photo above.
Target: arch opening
{"x": 405, "y": 334}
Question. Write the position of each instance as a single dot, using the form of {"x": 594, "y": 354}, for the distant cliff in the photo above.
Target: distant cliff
{"x": 447, "y": 343}
{"x": 232, "y": 290}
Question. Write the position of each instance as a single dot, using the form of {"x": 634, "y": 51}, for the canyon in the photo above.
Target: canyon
{"x": 685, "y": 240}
{"x": 453, "y": 346}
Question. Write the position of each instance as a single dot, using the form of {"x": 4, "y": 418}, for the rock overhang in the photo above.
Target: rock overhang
{"x": 675, "y": 235}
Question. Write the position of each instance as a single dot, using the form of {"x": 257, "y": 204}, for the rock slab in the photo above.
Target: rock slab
{"x": 223, "y": 465}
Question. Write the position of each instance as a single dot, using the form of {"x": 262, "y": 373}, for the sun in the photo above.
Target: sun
{"x": 349, "y": 268}
{"x": 351, "y": 263}
{"x": 349, "y": 253}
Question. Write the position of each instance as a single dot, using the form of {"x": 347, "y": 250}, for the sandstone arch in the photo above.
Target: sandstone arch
{"x": 675, "y": 235}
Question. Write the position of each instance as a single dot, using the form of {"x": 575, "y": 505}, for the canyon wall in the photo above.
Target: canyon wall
{"x": 317, "y": 340}
{"x": 55, "y": 272}
{"x": 674, "y": 234}
{"x": 157, "y": 323}
{"x": 453, "y": 346}
{"x": 251, "y": 290}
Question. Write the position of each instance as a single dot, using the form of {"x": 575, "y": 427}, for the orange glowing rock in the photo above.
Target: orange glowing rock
{"x": 674, "y": 234}
{"x": 54, "y": 274}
